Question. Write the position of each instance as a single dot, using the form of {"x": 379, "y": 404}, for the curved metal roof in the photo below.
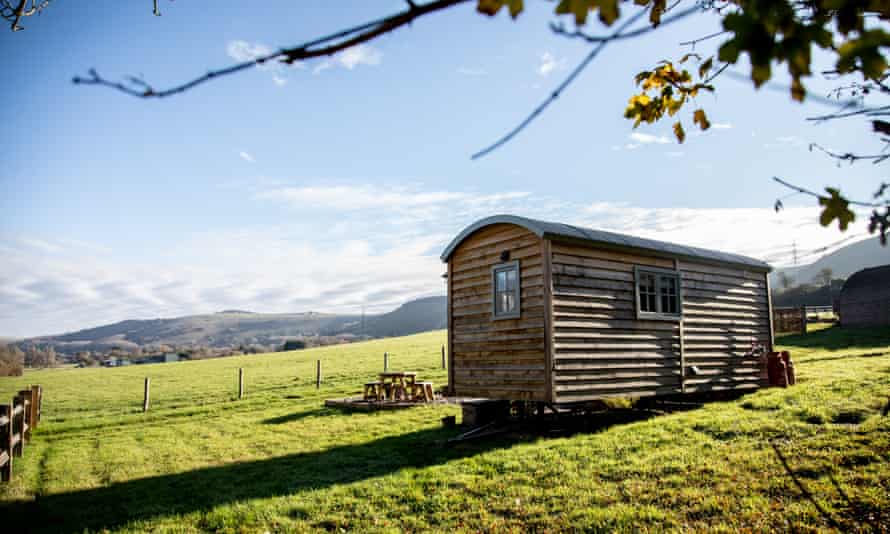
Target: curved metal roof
{"x": 871, "y": 283}
{"x": 553, "y": 230}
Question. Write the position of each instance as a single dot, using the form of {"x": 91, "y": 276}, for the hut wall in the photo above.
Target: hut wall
{"x": 600, "y": 349}
{"x": 503, "y": 358}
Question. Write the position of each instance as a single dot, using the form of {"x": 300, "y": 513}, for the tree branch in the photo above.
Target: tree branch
{"x": 817, "y": 195}
{"x": 559, "y": 29}
{"x": 617, "y": 34}
{"x": 340, "y": 41}
{"x": 849, "y": 156}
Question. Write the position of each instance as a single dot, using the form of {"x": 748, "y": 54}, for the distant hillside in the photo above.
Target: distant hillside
{"x": 232, "y": 328}
{"x": 843, "y": 262}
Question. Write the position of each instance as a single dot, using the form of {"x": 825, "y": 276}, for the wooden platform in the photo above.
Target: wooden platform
{"x": 357, "y": 403}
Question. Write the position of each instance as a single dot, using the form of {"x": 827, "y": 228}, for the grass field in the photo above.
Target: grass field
{"x": 277, "y": 461}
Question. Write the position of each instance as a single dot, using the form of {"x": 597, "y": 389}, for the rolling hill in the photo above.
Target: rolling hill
{"x": 236, "y": 327}
{"x": 843, "y": 262}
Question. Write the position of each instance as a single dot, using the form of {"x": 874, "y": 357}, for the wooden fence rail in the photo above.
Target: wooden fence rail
{"x": 17, "y": 420}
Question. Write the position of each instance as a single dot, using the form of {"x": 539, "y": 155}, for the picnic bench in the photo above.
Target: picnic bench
{"x": 398, "y": 386}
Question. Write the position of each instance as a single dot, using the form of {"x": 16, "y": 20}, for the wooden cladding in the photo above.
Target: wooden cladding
{"x": 503, "y": 357}
{"x": 578, "y": 336}
{"x": 602, "y": 350}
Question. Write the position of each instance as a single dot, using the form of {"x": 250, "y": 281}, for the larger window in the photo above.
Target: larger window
{"x": 505, "y": 285}
{"x": 658, "y": 293}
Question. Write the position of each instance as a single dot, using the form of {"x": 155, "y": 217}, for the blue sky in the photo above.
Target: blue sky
{"x": 336, "y": 183}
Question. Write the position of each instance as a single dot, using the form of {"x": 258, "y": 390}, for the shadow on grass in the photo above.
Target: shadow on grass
{"x": 296, "y": 416}
{"x": 839, "y": 337}
{"x": 201, "y": 490}
{"x": 117, "y": 504}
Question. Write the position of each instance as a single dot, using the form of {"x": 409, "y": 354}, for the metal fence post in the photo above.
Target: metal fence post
{"x": 240, "y": 382}
{"x": 146, "y": 394}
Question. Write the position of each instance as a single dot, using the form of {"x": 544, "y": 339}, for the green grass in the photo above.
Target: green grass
{"x": 278, "y": 461}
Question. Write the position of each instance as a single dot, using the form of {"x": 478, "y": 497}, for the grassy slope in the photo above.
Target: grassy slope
{"x": 278, "y": 461}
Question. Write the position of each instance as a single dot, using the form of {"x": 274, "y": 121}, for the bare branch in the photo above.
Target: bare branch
{"x": 850, "y": 157}
{"x": 559, "y": 29}
{"x": 15, "y": 14}
{"x": 694, "y": 42}
{"x": 881, "y": 111}
{"x": 617, "y": 34}
{"x": 340, "y": 41}
{"x": 817, "y": 195}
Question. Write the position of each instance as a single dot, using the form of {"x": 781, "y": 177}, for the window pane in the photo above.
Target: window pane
{"x": 669, "y": 298}
{"x": 500, "y": 281}
{"x": 511, "y": 279}
{"x": 510, "y": 302}
{"x": 647, "y": 292}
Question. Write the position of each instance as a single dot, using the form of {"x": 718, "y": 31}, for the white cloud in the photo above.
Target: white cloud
{"x": 359, "y": 55}
{"x": 549, "y": 64}
{"x": 344, "y": 246}
{"x": 649, "y": 139}
{"x": 768, "y": 235}
{"x": 362, "y": 197}
{"x": 245, "y": 51}
{"x": 350, "y": 58}
{"x": 721, "y": 126}
{"x": 246, "y": 156}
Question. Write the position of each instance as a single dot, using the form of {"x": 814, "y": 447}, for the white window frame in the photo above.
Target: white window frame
{"x": 517, "y": 291}
{"x": 658, "y": 274}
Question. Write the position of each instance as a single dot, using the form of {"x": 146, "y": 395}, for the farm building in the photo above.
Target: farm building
{"x": 865, "y": 298}
{"x": 551, "y": 312}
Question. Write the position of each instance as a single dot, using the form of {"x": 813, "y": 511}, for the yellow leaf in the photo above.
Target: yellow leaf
{"x": 699, "y": 117}
{"x": 678, "y": 132}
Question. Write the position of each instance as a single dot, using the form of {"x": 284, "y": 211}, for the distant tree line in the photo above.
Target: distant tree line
{"x": 821, "y": 291}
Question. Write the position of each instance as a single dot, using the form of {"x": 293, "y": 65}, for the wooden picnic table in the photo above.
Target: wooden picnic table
{"x": 396, "y": 384}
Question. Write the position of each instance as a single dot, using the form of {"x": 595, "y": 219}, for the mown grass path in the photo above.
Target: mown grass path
{"x": 278, "y": 461}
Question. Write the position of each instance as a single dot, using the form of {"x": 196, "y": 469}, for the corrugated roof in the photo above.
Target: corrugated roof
{"x": 554, "y": 230}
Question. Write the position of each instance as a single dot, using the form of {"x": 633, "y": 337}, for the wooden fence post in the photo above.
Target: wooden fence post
{"x": 803, "y": 319}
{"x": 317, "y": 374}
{"x": 443, "y": 356}
{"x": 385, "y": 361}
{"x": 36, "y": 394}
{"x": 146, "y": 394}
{"x": 6, "y": 443}
{"x": 28, "y": 406}
{"x": 240, "y": 382}
{"x": 18, "y": 426}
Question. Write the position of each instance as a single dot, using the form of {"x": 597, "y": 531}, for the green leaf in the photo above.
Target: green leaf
{"x": 835, "y": 207}
{"x": 491, "y": 7}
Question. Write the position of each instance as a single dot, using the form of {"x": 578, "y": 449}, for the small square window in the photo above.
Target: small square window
{"x": 505, "y": 290}
{"x": 657, "y": 293}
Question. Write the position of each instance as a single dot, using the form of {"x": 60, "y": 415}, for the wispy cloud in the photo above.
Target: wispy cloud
{"x": 549, "y": 64}
{"x": 351, "y": 58}
{"x": 357, "y": 197}
{"x": 721, "y": 126}
{"x": 359, "y": 55}
{"x": 246, "y": 156}
{"x": 647, "y": 139}
{"x": 351, "y": 245}
{"x": 246, "y": 51}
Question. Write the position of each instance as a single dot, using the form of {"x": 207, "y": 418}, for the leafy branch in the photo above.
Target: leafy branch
{"x": 837, "y": 207}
